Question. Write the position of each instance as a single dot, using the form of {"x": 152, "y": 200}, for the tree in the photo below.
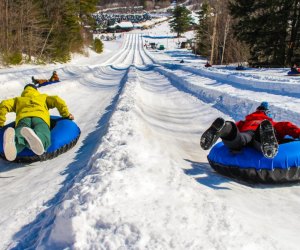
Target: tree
{"x": 214, "y": 34}
{"x": 181, "y": 20}
{"x": 203, "y": 31}
{"x": 98, "y": 45}
{"x": 270, "y": 28}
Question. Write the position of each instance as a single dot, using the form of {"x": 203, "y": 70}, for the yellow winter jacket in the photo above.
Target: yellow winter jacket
{"x": 32, "y": 103}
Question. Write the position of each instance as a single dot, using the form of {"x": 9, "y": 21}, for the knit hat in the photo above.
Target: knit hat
{"x": 263, "y": 106}
{"x": 30, "y": 85}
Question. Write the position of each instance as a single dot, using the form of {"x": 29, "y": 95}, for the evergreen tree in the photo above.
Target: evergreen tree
{"x": 64, "y": 34}
{"x": 202, "y": 31}
{"x": 98, "y": 45}
{"x": 86, "y": 8}
{"x": 181, "y": 20}
{"x": 270, "y": 28}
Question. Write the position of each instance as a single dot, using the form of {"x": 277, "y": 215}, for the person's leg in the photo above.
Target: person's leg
{"x": 42, "y": 130}
{"x": 37, "y": 135}
{"x": 265, "y": 139}
{"x": 21, "y": 143}
{"x": 41, "y": 81}
{"x": 13, "y": 141}
{"x": 9, "y": 145}
{"x": 237, "y": 140}
{"x": 219, "y": 128}
{"x": 34, "y": 80}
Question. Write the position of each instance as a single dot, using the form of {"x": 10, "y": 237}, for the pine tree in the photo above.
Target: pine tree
{"x": 270, "y": 28}
{"x": 98, "y": 45}
{"x": 63, "y": 36}
{"x": 202, "y": 31}
{"x": 86, "y": 8}
{"x": 181, "y": 20}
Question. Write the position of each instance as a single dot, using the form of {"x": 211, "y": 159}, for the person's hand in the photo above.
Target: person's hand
{"x": 71, "y": 117}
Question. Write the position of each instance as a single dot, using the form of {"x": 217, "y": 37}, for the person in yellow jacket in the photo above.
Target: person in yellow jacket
{"x": 32, "y": 129}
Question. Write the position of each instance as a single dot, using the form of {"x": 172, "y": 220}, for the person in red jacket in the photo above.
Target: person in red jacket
{"x": 258, "y": 130}
{"x": 295, "y": 69}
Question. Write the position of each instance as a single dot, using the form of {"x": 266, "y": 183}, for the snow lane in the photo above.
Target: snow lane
{"x": 132, "y": 53}
{"x": 124, "y": 202}
{"x": 130, "y": 196}
{"x": 123, "y": 50}
{"x": 99, "y": 85}
{"x": 137, "y": 179}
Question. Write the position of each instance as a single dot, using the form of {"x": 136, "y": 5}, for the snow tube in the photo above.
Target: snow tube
{"x": 293, "y": 73}
{"x": 64, "y": 135}
{"x": 46, "y": 83}
{"x": 250, "y": 165}
{"x": 240, "y": 68}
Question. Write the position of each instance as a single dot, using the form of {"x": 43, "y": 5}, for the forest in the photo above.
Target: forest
{"x": 43, "y": 30}
{"x": 261, "y": 32}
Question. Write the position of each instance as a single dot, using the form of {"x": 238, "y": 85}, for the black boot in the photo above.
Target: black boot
{"x": 269, "y": 144}
{"x": 212, "y": 134}
{"x": 33, "y": 80}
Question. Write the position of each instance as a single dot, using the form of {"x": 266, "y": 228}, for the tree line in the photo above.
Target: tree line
{"x": 147, "y": 4}
{"x": 261, "y": 32}
{"x": 43, "y": 30}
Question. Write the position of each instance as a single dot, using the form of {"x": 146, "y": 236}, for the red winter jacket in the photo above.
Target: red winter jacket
{"x": 282, "y": 129}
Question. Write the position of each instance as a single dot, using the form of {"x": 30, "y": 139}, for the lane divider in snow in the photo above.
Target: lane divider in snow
{"x": 234, "y": 106}
{"x": 279, "y": 88}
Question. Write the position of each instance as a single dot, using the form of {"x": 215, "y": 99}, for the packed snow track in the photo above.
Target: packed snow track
{"x": 137, "y": 178}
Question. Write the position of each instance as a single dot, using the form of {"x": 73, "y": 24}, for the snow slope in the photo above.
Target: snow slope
{"x": 137, "y": 178}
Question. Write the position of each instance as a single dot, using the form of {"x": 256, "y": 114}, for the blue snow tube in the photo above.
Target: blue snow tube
{"x": 240, "y": 68}
{"x": 64, "y": 135}
{"x": 250, "y": 165}
{"x": 293, "y": 73}
{"x": 46, "y": 83}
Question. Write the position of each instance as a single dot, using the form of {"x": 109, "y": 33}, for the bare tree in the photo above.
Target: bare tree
{"x": 224, "y": 48}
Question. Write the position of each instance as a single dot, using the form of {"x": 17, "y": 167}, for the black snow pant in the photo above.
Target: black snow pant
{"x": 236, "y": 140}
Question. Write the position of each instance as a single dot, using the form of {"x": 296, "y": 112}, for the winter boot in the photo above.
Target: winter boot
{"x": 269, "y": 144}
{"x": 212, "y": 134}
{"x": 33, "y": 140}
{"x": 9, "y": 146}
{"x": 34, "y": 80}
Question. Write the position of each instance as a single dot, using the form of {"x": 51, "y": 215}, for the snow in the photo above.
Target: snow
{"x": 137, "y": 178}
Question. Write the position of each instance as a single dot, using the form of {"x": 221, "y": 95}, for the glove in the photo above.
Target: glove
{"x": 71, "y": 117}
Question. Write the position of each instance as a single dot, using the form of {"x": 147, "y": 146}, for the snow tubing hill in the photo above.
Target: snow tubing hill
{"x": 64, "y": 135}
{"x": 46, "y": 83}
{"x": 251, "y": 165}
{"x": 292, "y": 73}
